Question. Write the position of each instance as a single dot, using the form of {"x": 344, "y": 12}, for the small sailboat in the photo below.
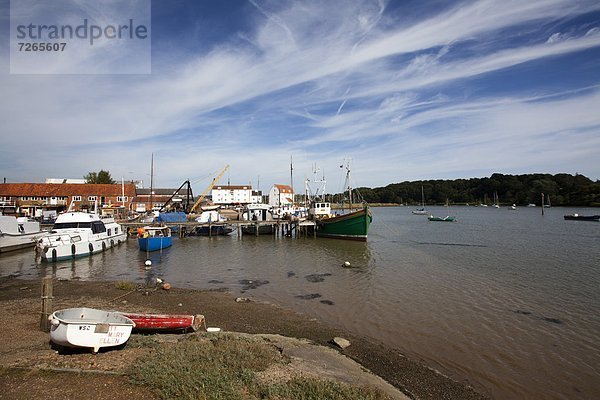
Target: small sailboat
{"x": 421, "y": 211}
{"x": 496, "y": 202}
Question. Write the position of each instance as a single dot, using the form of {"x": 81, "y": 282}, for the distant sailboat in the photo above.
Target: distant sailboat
{"x": 496, "y": 202}
{"x": 421, "y": 211}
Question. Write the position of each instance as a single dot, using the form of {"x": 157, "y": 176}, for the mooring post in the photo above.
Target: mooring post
{"x": 542, "y": 203}
{"x": 46, "y": 303}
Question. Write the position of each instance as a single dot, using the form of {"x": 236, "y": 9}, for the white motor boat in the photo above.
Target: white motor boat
{"x": 89, "y": 328}
{"x": 18, "y": 233}
{"x": 78, "y": 234}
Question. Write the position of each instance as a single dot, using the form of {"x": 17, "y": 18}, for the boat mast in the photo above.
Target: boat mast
{"x": 347, "y": 185}
{"x": 151, "y": 180}
{"x": 292, "y": 178}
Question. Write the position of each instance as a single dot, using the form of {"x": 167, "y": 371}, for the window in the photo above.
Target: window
{"x": 122, "y": 199}
{"x": 76, "y": 198}
{"x": 98, "y": 227}
{"x": 92, "y": 198}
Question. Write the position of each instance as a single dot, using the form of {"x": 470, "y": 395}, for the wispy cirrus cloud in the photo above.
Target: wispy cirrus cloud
{"x": 401, "y": 95}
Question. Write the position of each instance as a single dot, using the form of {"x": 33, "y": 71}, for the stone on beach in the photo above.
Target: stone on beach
{"x": 341, "y": 342}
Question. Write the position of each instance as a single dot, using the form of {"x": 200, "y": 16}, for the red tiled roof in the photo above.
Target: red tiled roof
{"x": 65, "y": 189}
{"x": 284, "y": 188}
{"x": 232, "y": 187}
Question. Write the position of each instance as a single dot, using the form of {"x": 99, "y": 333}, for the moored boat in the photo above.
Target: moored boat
{"x": 350, "y": 223}
{"x": 18, "y": 233}
{"x": 79, "y": 234}
{"x": 165, "y": 322}
{"x": 213, "y": 224}
{"x": 89, "y": 328}
{"x": 260, "y": 218}
{"x": 152, "y": 238}
{"x": 577, "y": 217}
{"x": 212, "y": 230}
{"x": 447, "y": 218}
{"x": 421, "y": 211}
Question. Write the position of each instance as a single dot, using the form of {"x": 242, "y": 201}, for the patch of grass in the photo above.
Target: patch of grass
{"x": 314, "y": 389}
{"x": 124, "y": 285}
{"x": 142, "y": 341}
{"x": 219, "y": 368}
{"x": 226, "y": 367}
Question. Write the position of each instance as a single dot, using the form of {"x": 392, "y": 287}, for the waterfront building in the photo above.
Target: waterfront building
{"x": 234, "y": 194}
{"x": 33, "y": 199}
{"x": 281, "y": 195}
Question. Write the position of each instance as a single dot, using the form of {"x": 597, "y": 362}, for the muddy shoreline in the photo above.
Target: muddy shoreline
{"x": 221, "y": 310}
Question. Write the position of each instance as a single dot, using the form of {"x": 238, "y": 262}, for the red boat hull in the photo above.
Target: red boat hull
{"x": 165, "y": 322}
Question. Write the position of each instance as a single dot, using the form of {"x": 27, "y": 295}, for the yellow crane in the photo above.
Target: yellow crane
{"x": 203, "y": 195}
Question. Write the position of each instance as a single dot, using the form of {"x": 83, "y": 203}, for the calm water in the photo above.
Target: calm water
{"x": 506, "y": 300}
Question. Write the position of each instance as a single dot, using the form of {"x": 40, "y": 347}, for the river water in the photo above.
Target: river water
{"x": 508, "y": 301}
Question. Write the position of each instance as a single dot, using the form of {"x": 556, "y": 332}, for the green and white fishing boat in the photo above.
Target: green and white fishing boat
{"x": 347, "y": 223}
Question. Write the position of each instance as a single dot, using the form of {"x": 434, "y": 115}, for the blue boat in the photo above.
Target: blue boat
{"x": 152, "y": 238}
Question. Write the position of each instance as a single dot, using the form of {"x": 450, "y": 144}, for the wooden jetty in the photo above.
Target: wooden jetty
{"x": 293, "y": 228}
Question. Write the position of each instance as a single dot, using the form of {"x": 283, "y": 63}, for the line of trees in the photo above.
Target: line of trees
{"x": 562, "y": 189}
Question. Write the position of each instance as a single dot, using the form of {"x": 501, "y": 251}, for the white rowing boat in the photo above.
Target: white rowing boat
{"x": 88, "y": 327}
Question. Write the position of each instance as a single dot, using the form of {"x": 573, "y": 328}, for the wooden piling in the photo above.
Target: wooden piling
{"x": 542, "y": 203}
{"x": 46, "y": 303}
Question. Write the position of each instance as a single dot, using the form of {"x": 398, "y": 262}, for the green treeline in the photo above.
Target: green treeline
{"x": 562, "y": 189}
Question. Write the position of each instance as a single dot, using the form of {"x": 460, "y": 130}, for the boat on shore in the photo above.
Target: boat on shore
{"x": 577, "y": 217}
{"x": 147, "y": 323}
{"x": 18, "y": 233}
{"x": 79, "y": 234}
{"x": 152, "y": 238}
{"x": 89, "y": 328}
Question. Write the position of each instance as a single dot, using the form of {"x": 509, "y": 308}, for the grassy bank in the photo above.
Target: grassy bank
{"x": 230, "y": 367}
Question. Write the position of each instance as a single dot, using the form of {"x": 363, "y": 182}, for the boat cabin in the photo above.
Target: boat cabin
{"x": 258, "y": 212}
{"x": 320, "y": 210}
{"x": 154, "y": 231}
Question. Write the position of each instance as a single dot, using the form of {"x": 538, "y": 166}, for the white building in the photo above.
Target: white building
{"x": 232, "y": 194}
{"x": 281, "y": 195}
{"x": 257, "y": 197}
{"x": 65, "y": 180}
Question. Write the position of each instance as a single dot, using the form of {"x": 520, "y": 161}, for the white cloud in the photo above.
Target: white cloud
{"x": 318, "y": 81}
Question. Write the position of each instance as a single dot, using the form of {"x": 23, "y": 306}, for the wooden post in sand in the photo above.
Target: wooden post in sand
{"x": 46, "y": 303}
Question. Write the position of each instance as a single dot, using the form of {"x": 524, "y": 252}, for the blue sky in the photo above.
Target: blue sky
{"x": 407, "y": 90}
